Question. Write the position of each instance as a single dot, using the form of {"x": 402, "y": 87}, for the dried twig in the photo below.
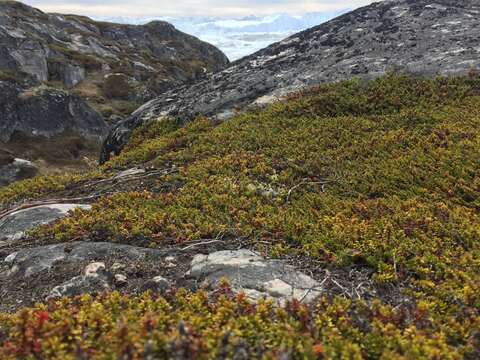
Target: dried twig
{"x": 127, "y": 178}
{"x": 91, "y": 197}
{"x": 218, "y": 238}
{"x": 202, "y": 243}
{"x": 48, "y": 202}
{"x": 307, "y": 182}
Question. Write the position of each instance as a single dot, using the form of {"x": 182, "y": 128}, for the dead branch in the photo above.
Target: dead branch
{"x": 217, "y": 239}
{"x": 202, "y": 243}
{"x": 49, "y": 202}
{"x": 92, "y": 197}
{"x": 306, "y": 182}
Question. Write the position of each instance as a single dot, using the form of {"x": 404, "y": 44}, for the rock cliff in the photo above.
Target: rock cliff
{"x": 423, "y": 37}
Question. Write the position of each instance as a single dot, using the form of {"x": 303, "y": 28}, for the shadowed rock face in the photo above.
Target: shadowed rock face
{"x": 45, "y": 126}
{"x": 46, "y": 112}
{"x": 425, "y": 37}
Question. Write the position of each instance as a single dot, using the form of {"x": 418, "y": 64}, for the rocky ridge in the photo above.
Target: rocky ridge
{"x": 425, "y": 37}
{"x": 94, "y": 58}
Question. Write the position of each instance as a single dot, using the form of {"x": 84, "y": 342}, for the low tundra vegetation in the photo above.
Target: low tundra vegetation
{"x": 197, "y": 326}
{"x": 381, "y": 174}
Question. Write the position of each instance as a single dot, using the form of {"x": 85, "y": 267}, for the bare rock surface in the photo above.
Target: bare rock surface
{"x": 32, "y": 274}
{"x": 94, "y": 280}
{"x": 254, "y": 275}
{"x": 426, "y": 37}
{"x": 16, "y": 169}
{"x": 46, "y": 112}
{"x": 35, "y": 273}
{"x": 32, "y": 261}
{"x": 48, "y": 127}
{"x": 108, "y": 266}
{"x": 29, "y": 262}
{"x": 14, "y": 225}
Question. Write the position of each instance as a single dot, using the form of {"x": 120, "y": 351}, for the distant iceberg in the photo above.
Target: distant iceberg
{"x": 241, "y": 36}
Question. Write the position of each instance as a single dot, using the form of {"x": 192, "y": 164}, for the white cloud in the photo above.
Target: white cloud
{"x": 138, "y": 8}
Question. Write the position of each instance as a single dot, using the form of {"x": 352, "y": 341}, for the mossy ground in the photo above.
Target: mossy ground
{"x": 383, "y": 174}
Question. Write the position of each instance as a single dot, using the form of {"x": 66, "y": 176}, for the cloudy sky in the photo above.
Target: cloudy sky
{"x": 138, "y": 8}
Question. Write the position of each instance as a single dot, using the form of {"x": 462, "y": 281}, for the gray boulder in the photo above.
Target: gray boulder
{"x": 254, "y": 275}
{"x": 29, "y": 275}
{"x": 46, "y": 126}
{"x": 13, "y": 169}
{"x": 14, "y": 226}
{"x": 46, "y": 112}
{"x": 26, "y": 263}
{"x": 157, "y": 284}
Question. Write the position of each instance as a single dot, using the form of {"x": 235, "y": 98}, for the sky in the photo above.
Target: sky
{"x": 139, "y": 8}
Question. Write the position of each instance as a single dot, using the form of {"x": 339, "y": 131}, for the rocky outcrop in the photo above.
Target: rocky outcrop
{"x": 424, "y": 37}
{"x": 46, "y": 112}
{"x": 70, "y": 269}
{"x": 32, "y": 261}
{"x": 254, "y": 275}
{"x": 70, "y": 49}
{"x": 49, "y": 128}
{"x": 15, "y": 225}
{"x": 13, "y": 169}
{"x": 63, "y": 76}
{"x": 75, "y": 268}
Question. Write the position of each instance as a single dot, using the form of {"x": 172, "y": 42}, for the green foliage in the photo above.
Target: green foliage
{"x": 194, "y": 326}
{"x": 382, "y": 174}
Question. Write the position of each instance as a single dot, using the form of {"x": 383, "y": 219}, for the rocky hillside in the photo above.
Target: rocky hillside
{"x": 61, "y": 76}
{"x": 342, "y": 222}
{"x": 346, "y": 220}
{"x": 421, "y": 37}
{"x": 112, "y": 66}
